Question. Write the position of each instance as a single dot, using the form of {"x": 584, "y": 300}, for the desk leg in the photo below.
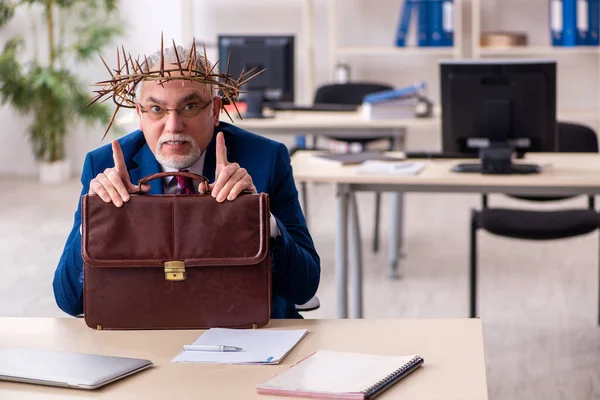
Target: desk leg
{"x": 399, "y": 139}
{"x": 396, "y": 228}
{"x": 356, "y": 264}
{"x": 341, "y": 251}
{"x": 397, "y": 214}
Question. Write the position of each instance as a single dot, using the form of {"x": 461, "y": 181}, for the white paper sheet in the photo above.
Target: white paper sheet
{"x": 261, "y": 346}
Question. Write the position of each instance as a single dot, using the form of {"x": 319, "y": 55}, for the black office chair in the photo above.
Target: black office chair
{"x": 537, "y": 225}
{"x": 353, "y": 93}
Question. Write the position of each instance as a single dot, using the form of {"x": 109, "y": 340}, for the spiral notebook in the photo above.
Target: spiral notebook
{"x": 340, "y": 375}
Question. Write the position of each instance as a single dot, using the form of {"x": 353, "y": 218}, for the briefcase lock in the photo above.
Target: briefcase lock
{"x": 175, "y": 271}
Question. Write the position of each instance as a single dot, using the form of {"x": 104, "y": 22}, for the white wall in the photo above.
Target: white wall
{"x": 362, "y": 22}
{"x": 142, "y": 36}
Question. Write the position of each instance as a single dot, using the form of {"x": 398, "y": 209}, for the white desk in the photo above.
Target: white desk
{"x": 566, "y": 174}
{"x": 286, "y": 121}
{"x": 347, "y": 125}
{"x": 454, "y": 365}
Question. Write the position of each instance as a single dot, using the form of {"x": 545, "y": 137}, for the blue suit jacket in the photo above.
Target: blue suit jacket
{"x": 295, "y": 262}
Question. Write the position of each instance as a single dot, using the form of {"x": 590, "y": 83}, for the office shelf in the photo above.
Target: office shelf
{"x": 392, "y": 51}
{"x": 338, "y": 50}
{"x": 466, "y": 45}
{"x": 536, "y": 50}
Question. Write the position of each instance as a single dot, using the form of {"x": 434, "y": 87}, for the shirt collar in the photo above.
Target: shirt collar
{"x": 196, "y": 168}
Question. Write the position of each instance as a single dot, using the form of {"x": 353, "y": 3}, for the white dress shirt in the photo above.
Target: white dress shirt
{"x": 170, "y": 186}
{"x": 170, "y": 183}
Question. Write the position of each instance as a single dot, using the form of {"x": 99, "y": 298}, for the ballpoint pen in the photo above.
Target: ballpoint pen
{"x": 206, "y": 347}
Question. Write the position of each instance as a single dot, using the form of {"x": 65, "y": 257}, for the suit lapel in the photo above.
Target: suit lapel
{"x": 147, "y": 165}
{"x": 210, "y": 162}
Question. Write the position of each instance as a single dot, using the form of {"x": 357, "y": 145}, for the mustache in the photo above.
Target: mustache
{"x": 174, "y": 137}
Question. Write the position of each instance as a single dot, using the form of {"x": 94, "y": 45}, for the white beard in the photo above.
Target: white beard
{"x": 177, "y": 161}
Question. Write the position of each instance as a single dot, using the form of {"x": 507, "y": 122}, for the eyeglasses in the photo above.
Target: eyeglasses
{"x": 189, "y": 110}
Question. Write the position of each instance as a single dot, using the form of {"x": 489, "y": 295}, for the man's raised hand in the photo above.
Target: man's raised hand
{"x": 230, "y": 178}
{"x": 114, "y": 185}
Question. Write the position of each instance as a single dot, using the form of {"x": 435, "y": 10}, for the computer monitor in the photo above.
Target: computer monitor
{"x": 498, "y": 108}
{"x": 274, "y": 54}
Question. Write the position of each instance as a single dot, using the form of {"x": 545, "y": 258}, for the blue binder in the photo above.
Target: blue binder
{"x": 569, "y": 23}
{"x": 448, "y": 23}
{"x": 395, "y": 94}
{"x": 423, "y": 22}
{"x": 594, "y": 23}
{"x": 435, "y": 21}
{"x": 404, "y": 23}
{"x": 556, "y": 22}
{"x": 582, "y": 22}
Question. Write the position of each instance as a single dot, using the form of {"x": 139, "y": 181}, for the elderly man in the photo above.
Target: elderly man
{"x": 180, "y": 129}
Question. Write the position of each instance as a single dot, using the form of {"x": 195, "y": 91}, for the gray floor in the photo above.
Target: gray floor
{"x": 538, "y": 301}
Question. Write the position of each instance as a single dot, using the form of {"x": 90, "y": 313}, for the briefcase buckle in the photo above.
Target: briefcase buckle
{"x": 175, "y": 271}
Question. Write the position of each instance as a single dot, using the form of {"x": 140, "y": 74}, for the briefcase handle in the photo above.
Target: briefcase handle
{"x": 158, "y": 175}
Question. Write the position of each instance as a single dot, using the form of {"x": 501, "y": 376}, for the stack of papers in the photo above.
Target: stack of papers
{"x": 260, "y": 346}
{"x": 374, "y": 167}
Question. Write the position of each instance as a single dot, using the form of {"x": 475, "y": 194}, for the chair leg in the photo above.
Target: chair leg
{"x": 473, "y": 266}
{"x": 376, "y": 222}
{"x": 304, "y": 200}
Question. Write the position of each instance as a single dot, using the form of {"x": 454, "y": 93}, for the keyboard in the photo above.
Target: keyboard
{"x": 289, "y": 106}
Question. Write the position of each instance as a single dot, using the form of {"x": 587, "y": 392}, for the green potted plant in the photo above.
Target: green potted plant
{"x": 49, "y": 89}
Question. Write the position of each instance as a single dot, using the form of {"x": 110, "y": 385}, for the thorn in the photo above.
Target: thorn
{"x": 118, "y": 62}
{"x": 104, "y": 62}
{"x": 112, "y": 119}
{"x": 227, "y": 112}
{"x": 162, "y": 56}
{"x": 125, "y": 60}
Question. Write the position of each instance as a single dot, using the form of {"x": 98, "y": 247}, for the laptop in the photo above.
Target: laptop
{"x": 71, "y": 370}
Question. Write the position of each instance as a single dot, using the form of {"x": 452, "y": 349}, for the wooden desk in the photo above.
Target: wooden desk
{"x": 564, "y": 174}
{"x": 454, "y": 365}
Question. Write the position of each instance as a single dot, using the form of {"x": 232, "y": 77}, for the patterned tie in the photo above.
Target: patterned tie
{"x": 186, "y": 184}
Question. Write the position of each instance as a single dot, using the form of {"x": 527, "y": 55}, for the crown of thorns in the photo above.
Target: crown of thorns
{"x": 121, "y": 87}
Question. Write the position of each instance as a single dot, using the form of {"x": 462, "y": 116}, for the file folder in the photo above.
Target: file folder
{"x": 423, "y": 22}
{"x": 404, "y": 23}
{"x": 448, "y": 23}
{"x": 594, "y": 23}
{"x": 556, "y": 22}
{"x": 435, "y": 21}
{"x": 569, "y": 23}
{"x": 582, "y": 23}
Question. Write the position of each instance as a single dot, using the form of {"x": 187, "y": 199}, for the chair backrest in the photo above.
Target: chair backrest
{"x": 572, "y": 138}
{"x": 576, "y": 138}
{"x": 352, "y": 93}
{"x": 348, "y": 93}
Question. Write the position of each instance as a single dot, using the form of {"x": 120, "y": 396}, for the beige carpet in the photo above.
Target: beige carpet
{"x": 538, "y": 301}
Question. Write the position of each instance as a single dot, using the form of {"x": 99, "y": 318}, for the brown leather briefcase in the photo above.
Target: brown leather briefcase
{"x": 176, "y": 261}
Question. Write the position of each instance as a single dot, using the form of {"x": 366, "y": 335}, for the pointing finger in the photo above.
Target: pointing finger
{"x": 119, "y": 161}
{"x": 221, "y": 154}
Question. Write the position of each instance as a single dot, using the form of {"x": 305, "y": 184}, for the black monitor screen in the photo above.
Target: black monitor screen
{"x": 274, "y": 54}
{"x": 486, "y": 102}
